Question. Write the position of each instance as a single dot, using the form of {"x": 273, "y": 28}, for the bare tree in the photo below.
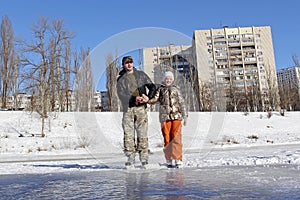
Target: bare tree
{"x": 234, "y": 97}
{"x": 297, "y": 82}
{"x": 77, "y": 79}
{"x": 296, "y": 60}
{"x": 188, "y": 78}
{"x": 59, "y": 65}
{"x": 9, "y": 61}
{"x": 112, "y": 70}
{"x": 254, "y": 96}
{"x": 67, "y": 71}
{"x": 289, "y": 90}
{"x": 272, "y": 94}
{"x": 205, "y": 96}
{"x": 218, "y": 98}
{"x": 84, "y": 89}
{"x": 289, "y": 97}
{"x": 43, "y": 66}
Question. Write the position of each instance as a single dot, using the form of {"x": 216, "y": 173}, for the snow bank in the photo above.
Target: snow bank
{"x": 209, "y": 139}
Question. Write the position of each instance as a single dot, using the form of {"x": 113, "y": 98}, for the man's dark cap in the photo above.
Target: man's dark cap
{"x": 126, "y": 59}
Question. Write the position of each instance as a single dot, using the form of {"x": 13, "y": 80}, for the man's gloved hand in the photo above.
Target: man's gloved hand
{"x": 138, "y": 99}
{"x": 141, "y": 99}
{"x": 145, "y": 98}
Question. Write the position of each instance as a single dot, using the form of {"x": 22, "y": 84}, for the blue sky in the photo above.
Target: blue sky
{"x": 94, "y": 21}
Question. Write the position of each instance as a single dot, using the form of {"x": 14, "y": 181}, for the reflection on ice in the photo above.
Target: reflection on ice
{"x": 280, "y": 182}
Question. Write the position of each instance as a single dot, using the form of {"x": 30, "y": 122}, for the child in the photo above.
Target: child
{"x": 171, "y": 113}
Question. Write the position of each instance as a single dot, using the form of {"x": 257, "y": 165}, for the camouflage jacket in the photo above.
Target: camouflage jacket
{"x": 144, "y": 86}
{"x": 172, "y": 105}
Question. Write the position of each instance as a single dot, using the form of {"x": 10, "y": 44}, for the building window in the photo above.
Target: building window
{"x": 220, "y": 43}
{"x": 219, "y": 37}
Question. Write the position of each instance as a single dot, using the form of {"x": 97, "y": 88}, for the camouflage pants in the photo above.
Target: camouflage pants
{"x": 135, "y": 120}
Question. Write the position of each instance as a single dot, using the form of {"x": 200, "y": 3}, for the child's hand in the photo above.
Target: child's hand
{"x": 185, "y": 121}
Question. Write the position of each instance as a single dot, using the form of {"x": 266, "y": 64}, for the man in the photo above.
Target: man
{"x": 131, "y": 85}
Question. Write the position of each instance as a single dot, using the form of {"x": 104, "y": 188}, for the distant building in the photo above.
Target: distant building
{"x": 175, "y": 58}
{"x": 289, "y": 87}
{"x": 18, "y": 102}
{"x": 230, "y": 69}
{"x": 157, "y": 60}
{"x": 100, "y": 101}
{"x": 23, "y": 102}
{"x": 239, "y": 65}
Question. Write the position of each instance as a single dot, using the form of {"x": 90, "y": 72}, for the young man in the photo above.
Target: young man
{"x": 131, "y": 84}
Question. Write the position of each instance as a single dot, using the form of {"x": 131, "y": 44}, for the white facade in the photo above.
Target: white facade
{"x": 157, "y": 60}
{"x": 178, "y": 59}
{"x": 289, "y": 77}
{"x": 20, "y": 103}
{"x": 289, "y": 87}
{"x": 239, "y": 57}
{"x": 23, "y": 101}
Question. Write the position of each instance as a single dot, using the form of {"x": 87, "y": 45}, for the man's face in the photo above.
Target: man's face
{"x": 128, "y": 65}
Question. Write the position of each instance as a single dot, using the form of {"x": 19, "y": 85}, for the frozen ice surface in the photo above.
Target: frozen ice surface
{"x": 225, "y": 156}
{"x": 227, "y": 182}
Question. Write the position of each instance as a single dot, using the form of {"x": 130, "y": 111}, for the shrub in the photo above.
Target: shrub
{"x": 253, "y": 137}
{"x": 282, "y": 112}
{"x": 269, "y": 114}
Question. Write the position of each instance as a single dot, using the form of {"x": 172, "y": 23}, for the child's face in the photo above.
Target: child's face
{"x": 168, "y": 81}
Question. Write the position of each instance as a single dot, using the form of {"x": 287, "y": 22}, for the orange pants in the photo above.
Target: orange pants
{"x": 171, "y": 131}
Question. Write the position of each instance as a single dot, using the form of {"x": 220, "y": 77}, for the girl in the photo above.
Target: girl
{"x": 172, "y": 111}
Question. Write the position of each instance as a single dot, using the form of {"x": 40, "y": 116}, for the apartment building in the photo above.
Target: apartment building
{"x": 101, "y": 101}
{"x": 157, "y": 60}
{"x": 23, "y": 101}
{"x": 175, "y": 58}
{"x": 289, "y": 87}
{"x": 18, "y": 102}
{"x": 239, "y": 66}
{"x": 289, "y": 77}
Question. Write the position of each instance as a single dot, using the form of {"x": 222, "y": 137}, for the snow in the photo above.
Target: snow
{"x": 93, "y": 141}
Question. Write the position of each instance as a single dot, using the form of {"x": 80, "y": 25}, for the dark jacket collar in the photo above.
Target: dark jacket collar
{"x": 123, "y": 71}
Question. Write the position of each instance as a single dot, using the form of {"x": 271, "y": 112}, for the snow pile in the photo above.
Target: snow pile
{"x": 209, "y": 139}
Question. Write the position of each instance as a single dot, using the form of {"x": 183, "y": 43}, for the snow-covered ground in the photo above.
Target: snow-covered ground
{"x": 77, "y": 141}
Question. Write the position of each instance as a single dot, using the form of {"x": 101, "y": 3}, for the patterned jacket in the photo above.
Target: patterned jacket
{"x": 172, "y": 104}
{"x": 144, "y": 86}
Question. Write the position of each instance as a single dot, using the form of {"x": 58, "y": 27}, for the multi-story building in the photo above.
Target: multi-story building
{"x": 100, "y": 101}
{"x": 289, "y": 87}
{"x": 23, "y": 101}
{"x": 18, "y": 102}
{"x": 238, "y": 65}
{"x": 104, "y": 100}
{"x": 157, "y": 60}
